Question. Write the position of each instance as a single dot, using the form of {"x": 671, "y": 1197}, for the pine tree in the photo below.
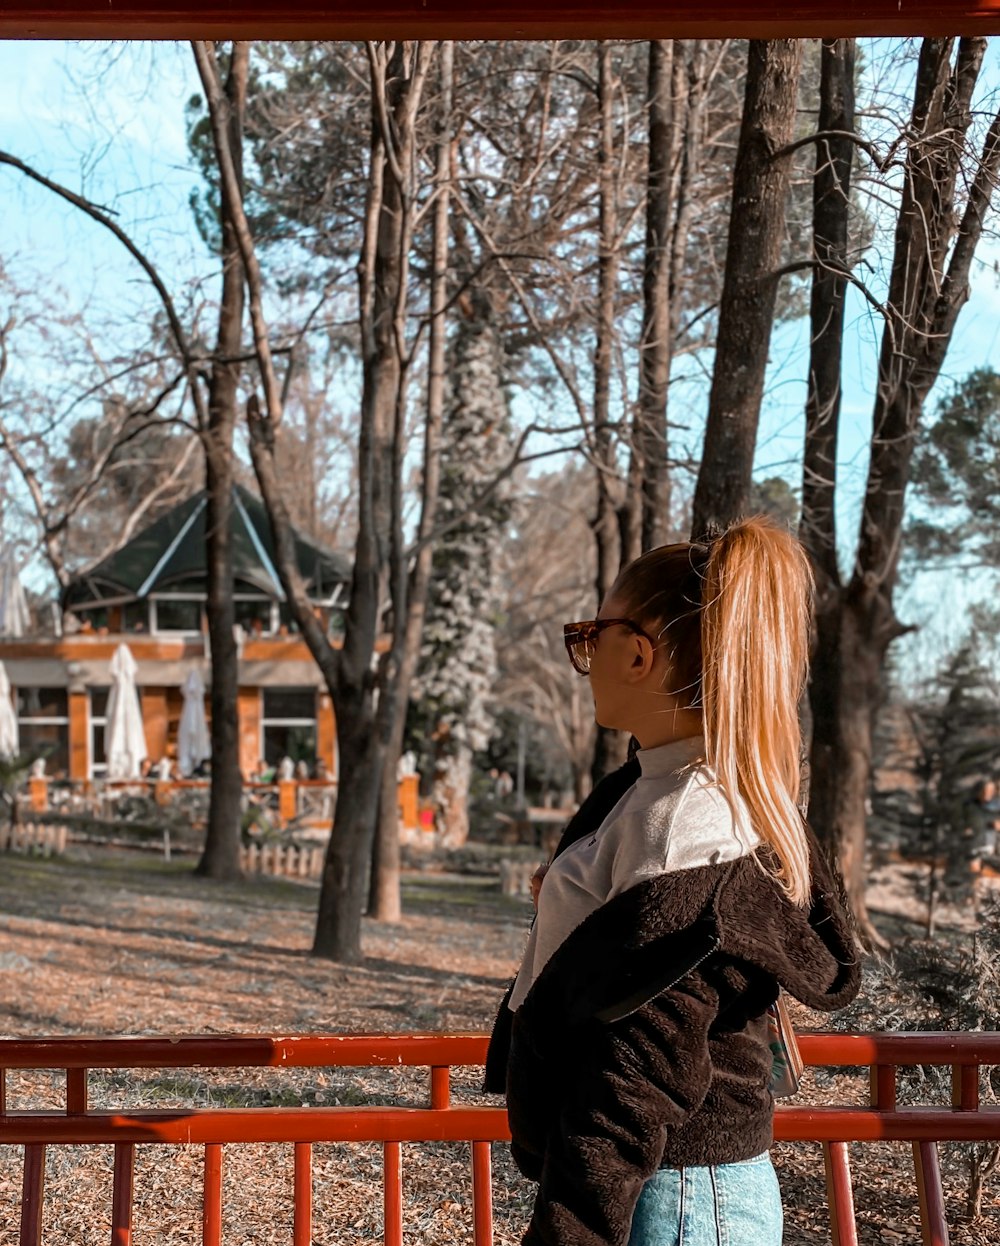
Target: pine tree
{"x": 451, "y": 716}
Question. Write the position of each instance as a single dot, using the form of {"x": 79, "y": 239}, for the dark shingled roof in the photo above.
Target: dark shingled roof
{"x": 169, "y": 555}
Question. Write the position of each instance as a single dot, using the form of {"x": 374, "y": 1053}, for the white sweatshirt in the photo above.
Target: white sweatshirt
{"x": 674, "y": 817}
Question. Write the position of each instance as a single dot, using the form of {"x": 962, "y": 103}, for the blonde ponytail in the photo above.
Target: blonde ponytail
{"x": 756, "y": 602}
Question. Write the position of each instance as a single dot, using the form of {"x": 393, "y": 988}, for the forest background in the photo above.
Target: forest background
{"x": 515, "y": 312}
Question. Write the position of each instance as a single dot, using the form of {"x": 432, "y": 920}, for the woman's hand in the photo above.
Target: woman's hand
{"x": 536, "y": 883}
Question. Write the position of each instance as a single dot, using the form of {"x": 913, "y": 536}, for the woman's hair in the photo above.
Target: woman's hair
{"x": 734, "y": 616}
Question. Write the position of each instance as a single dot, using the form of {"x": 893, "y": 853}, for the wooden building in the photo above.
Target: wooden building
{"x": 150, "y": 594}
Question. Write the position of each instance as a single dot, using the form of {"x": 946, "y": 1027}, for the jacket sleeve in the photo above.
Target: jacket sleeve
{"x": 631, "y": 1082}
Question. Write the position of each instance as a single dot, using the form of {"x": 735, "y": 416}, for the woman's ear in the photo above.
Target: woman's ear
{"x": 642, "y": 658}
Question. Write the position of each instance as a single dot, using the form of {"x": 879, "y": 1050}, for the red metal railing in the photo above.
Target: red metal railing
{"x": 441, "y": 1120}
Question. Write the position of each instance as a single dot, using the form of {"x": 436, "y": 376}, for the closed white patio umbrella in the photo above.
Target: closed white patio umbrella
{"x": 124, "y": 737}
{"x": 15, "y": 619}
{"x": 10, "y": 743}
{"x": 193, "y": 746}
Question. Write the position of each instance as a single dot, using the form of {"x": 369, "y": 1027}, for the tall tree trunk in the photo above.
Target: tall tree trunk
{"x": 381, "y": 275}
{"x": 677, "y": 97}
{"x": 384, "y": 901}
{"x": 610, "y": 746}
{"x": 221, "y": 856}
{"x": 690, "y": 78}
{"x": 646, "y": 510}
{"x": 364, "y": 721}
{"x": 817, "y": 529}
{"x": 831, "y": 210}
{"x": 750, "y": 283}
{"x": 934, "y": 247}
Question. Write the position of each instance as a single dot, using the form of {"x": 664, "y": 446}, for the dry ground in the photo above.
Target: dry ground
{"x": 114, "y": 944}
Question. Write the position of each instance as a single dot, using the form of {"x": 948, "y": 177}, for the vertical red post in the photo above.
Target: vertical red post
{"x": 392, "y": 1233}
{"x": 440, "y": 1087}
{"x": 965, "y": 1087}
{"x": 482, "y": 1195}
{"x": 933, "y": 1222}
{"x": 121, "y": 1198}
{"x": 32, "y": 1192}
{"x": 211, "y": 1223}
{"x": 76, "y": 1091}
{"x": 840, "y": 1194}
{"x": 883, "y": 1083}
{"x": 302, "y": 1206}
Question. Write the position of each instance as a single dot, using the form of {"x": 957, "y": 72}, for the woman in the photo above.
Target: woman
{"x": 633, "y": 1044}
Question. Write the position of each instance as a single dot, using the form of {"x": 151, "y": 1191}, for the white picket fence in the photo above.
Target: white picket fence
{"x": 33, "y": 838}
{"x": 283, "y": 860}
{"x": 515, "y": 877}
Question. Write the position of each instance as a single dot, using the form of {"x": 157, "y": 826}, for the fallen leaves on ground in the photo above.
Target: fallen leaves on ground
{"x": 101, "y": 943}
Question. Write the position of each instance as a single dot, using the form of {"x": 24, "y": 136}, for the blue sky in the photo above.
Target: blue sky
{"x": 119, "y": 140}
{"x": 108, "y": 120}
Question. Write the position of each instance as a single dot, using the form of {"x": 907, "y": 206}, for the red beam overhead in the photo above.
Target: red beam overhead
{"x": 490, "y": 19}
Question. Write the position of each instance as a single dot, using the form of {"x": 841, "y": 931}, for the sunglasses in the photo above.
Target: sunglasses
{"x": 581, "y": 639}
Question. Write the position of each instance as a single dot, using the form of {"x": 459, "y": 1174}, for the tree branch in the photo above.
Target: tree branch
{"x": 102, "y": 217}
{"x": 261, "y": 430}
{"x": 882, "y": 163}
{"x": 218, "y": 109}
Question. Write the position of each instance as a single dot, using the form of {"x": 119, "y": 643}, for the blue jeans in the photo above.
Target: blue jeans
{"x": 724, "y": 1205}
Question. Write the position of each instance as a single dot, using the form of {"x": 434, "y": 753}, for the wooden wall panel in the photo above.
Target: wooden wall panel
{"x": 326, "y": 732}
{"x": 156, "y": 721}
{"x": 248, "y": 711}
{"x": 79, "y": 734}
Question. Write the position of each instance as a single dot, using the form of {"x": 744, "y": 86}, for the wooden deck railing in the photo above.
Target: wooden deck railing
{"x": 438, "y": 1119}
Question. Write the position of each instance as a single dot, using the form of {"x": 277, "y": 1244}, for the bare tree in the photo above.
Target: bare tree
{"x": 835, "y": 154}
{"x": 942, "y": 213}
{"x": 680, "y": 75}
{"x": 380, "y": 573}
{"x": 384, "y": 898}
{"x": 221, "y": 857}
{"x": 110, "y": 427}
{"x": 127, "y": 457}
{"x": 210, "y": 381}
{"x": 749, "y": 292}
{"x": 646, "y": 510}
{"x": 548, "y": 569}
{"x": 610, "y": 746}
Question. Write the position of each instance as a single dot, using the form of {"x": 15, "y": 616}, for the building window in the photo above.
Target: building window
{"x": 176, "y": 614}
{"x": 288, "y": 725}
{"x": 96, "y": 616}
{"x": 135, "y": 616}
{"x": 43, "y": 725}
{"x": 255, "y": 615}
{"x": 98, "y": 722}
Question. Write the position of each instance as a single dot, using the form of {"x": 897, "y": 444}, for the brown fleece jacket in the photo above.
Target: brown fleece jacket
{"x": 643, "y": 1042}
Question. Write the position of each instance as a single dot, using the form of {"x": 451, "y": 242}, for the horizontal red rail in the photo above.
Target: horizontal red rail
{"x": 827, "y": 1050}
{"x": 227, "y": 1125}
{"x": 456, "y": 1124}
{"x": 440, "y": 1121}
{"x": 245, "y": 1051}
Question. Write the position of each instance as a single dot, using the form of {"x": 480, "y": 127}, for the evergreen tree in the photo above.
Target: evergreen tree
{"x": 956, "y": 474}
{"x": 451, "y": 717}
